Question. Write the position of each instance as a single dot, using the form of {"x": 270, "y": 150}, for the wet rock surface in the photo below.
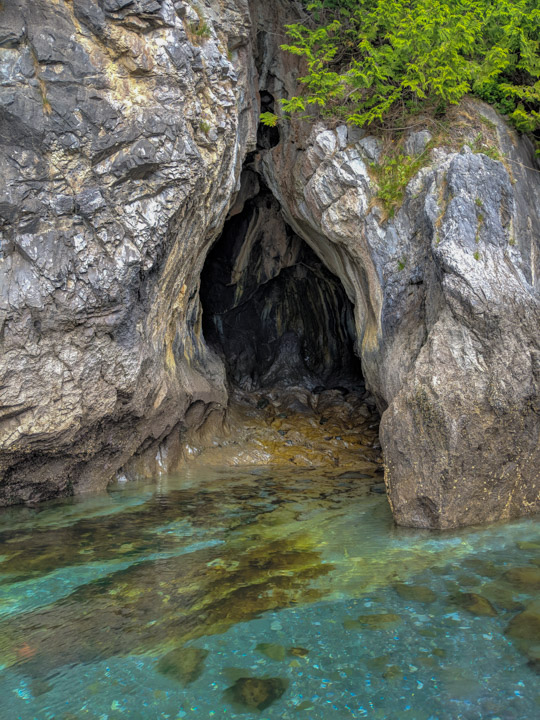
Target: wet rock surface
{"x": 294, "y": 428}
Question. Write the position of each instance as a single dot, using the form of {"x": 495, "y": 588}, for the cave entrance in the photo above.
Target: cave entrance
{"x": 272, "y": 310}
{"x": 284, "y": 328}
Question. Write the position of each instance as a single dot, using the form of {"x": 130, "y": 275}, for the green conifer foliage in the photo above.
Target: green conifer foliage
{"x": 369, "y": 61}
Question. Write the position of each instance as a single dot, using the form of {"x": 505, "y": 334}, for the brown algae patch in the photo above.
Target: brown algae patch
{"x": 163, "y": 603}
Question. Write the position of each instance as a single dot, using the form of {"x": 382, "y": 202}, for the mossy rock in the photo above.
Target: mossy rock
{"x": 393, "y": 673}
{"x": 378, "y": 663}
{"x": 466, "y": 580}
{"x": 428, "y": 632}
{"x": 525, "y": 626}
{"x": 486, "y": 568}
{"x": 415, "y": 593}
{"x": 372, "y": 622}
{"x": 502, "y": 597}
{"x": 525, "y": 578}
{"x": 458, "y": 683}
{"x": 426, "y": 660}
{"x": 256, "y": 693}
{"x": 527, "y": 545}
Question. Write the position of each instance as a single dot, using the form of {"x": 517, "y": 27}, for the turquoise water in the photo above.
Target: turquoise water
{"x": 265, "y": 595}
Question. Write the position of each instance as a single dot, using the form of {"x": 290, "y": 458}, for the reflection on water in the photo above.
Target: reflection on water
{"x": 266, "y": 595}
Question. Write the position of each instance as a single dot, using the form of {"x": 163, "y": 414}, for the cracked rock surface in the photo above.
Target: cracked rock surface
{"x": 447, "y": 313}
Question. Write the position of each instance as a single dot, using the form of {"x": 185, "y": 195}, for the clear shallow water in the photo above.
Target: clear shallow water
{"x": 214, "y": 594}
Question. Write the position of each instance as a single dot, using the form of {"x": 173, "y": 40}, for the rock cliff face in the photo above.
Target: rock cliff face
{"x": 124, "y": 125}
{"x": 447, "y": 313}
{"x": 123, "y": 128}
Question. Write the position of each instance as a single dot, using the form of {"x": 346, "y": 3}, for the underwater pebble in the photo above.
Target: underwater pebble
{"x": 184, "y": 664}
{"x": 256, "y": 693}
{"x": 272, "y": 651}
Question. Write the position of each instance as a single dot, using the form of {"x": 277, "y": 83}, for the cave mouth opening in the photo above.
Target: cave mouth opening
{"x": 284, "y": 328}
{"x": 276, "y": 315}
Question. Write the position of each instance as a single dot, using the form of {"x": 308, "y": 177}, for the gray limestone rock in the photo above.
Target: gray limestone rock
{"x": 416, "y": 142}
{"x": 447, "y": 306}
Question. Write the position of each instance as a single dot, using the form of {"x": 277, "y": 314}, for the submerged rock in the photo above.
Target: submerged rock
{"x": 528, "y": 545}
{"x": 526, "y": 578}
{"x": 525, "y": 626}
{"x": 502, "y": 596}
{"x": 183, "y": 664}
{"x": 416, "y": 593}
{"x": 271, "y": 650}
{"x": 256, "y": 693}
{"x": 475, "y": 604}
{"x": 393, "y": 673}
{"x": 298, "y": 651}
{"x": 383, "y": 621}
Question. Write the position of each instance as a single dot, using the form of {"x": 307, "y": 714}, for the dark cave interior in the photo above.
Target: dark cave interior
{"x": 271, "y": 309}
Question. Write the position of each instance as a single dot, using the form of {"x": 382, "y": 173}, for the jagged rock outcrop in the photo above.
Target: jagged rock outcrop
{"x": 123, "y": 128}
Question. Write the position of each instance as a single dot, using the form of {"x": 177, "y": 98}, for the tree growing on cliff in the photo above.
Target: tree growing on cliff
{"x": 369, "y": 61}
